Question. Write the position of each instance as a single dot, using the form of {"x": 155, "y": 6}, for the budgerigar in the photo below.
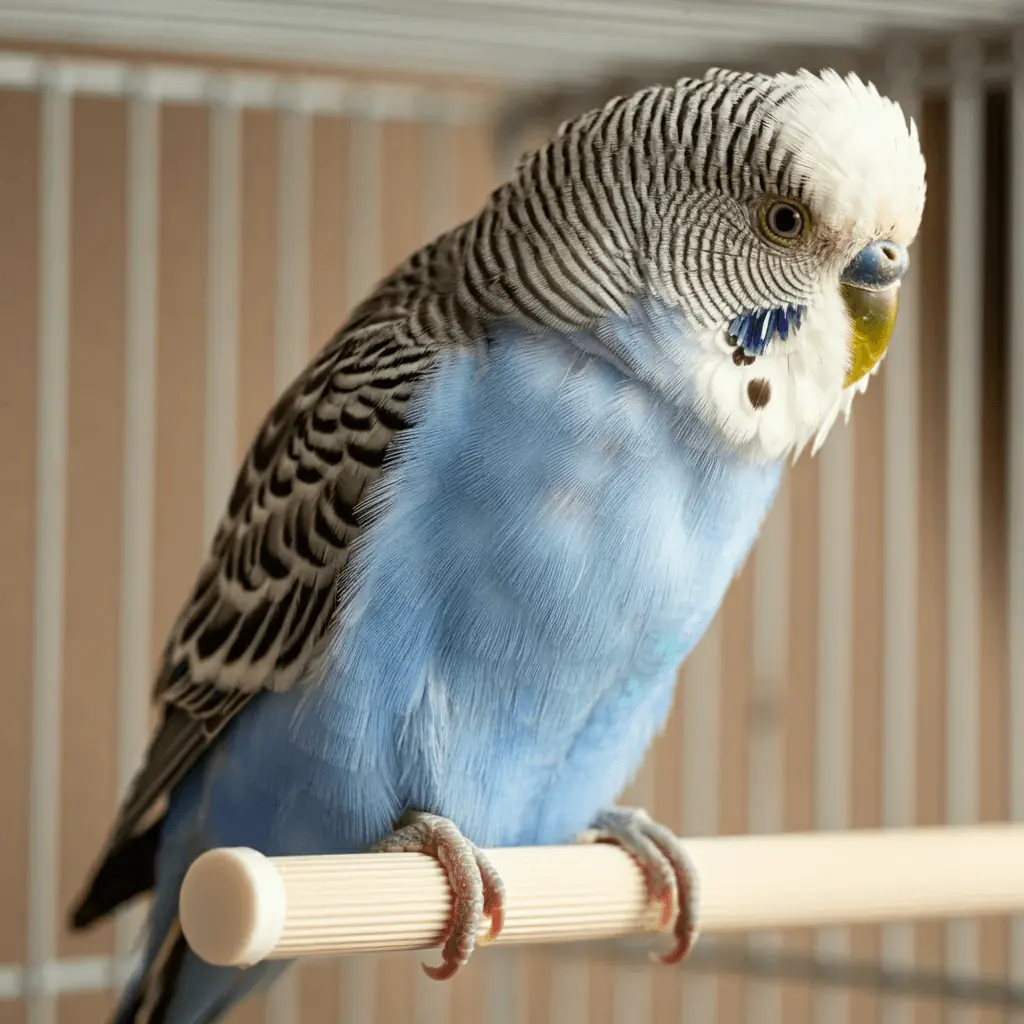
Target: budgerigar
{"x": 473, "y": 541}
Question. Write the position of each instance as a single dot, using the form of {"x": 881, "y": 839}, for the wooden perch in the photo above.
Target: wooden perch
{"x": 239, "y": 907}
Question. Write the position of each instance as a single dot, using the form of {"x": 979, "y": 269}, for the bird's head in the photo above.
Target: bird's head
{"x": 785, "y": 244}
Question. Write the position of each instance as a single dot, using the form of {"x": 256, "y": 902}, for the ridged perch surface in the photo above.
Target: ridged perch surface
{"x": 239, "y": 907}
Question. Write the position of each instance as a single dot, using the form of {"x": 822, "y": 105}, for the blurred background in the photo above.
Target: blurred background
{"x": 193, "y": 194}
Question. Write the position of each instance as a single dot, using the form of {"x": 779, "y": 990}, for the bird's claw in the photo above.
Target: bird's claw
{"x": 476, "y": 886}
{"x": 666, "y": 868}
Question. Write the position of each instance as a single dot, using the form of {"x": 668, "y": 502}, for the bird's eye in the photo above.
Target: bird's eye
{"x": 783, "y": 222}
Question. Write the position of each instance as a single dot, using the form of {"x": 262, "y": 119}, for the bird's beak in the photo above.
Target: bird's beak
{"x": 870, "y": 289}
{"x": 872, "y": 319}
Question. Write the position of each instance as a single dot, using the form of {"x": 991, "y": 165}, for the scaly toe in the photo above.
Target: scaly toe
{"x": 476, "y": 887}
{"x": 666, "y": 869}
{"x": 494, "y": 894}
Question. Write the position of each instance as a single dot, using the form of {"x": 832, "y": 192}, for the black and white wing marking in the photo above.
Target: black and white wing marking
{"x": 267, "y": 592}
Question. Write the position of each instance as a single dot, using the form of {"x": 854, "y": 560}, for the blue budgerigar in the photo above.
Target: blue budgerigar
{"x": 473, "y": 541}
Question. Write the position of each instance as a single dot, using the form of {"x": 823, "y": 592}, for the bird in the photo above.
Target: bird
{"x": 472, "y": 542}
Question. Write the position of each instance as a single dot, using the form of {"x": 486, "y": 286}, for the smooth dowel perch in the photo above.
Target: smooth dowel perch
{"x": 239, "y": 907}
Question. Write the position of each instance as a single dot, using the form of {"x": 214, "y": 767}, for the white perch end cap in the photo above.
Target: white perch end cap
{"x": 232, "y": 906}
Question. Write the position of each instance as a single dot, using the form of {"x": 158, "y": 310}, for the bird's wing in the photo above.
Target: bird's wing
{"x": 267, "y": 592}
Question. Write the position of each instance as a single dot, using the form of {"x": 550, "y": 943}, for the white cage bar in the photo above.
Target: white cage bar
{"x": 51, "y": 519}
{"x": 291, "y": 336}
{"x": 966, "y": 223}
{"x": 136, "y": 601}
{"x": 902, "y": 466}
{"x": 223, "y": 271}
{"x": 1015, "y": 516}
{"x": 365, "y": 170}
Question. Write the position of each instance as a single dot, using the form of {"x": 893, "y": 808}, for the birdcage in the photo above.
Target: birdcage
{"x": 194, "y": 194}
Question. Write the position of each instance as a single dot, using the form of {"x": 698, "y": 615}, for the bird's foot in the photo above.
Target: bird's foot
{"x": 666, "y": 868}
{"x": 475, "y": 884}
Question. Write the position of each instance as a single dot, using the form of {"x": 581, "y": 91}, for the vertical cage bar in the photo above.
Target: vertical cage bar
{"x": 139, "y": 480}
{"x": 363, "y": 210}
{"x": 221, "y": 441}
{"x": 900, "y": 576}
{"x": 702, "y": 685}
{"x": 966, "y": 252}
{"x": 363, "y": 225}
{"x": 766, "y": 764}
{"x": 1015, "y": 519}
{"x": 438, "y": 177}
{"x": 358, "y": 990}
{"x": 835, "y": 672}
{"x": 291, "y": 350}
{"x": 570, "y": 991}
{"x": 432, "y": 1003}
{"x": 632, "y": 996}
{"x": 505, "y": 986}
{"x": 51, "y": 521}
{"x": 291, "y": 336}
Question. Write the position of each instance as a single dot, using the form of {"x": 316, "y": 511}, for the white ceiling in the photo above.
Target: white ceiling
{"x": 513, "y": 40}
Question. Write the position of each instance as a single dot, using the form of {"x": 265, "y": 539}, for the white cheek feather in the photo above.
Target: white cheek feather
{"x": 786, "y": 398}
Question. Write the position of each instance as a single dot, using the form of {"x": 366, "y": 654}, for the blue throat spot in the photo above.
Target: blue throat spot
{"x": 753, "y": 331}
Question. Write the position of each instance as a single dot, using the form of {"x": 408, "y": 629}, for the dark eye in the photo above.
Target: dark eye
{"x": 783, "y": 222}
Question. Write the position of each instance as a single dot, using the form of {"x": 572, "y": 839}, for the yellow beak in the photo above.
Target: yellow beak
{"x": 873, "y": 318}
{"x": 871, "y": 287}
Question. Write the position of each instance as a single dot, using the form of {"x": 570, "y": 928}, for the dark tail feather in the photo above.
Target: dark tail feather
{"x": 150, "y": 1001}
{"x": 151, "y": 992}
{"x": 128, "y": 871}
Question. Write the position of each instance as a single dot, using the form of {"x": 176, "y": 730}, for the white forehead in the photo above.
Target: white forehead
{"x": 859, "y": 159}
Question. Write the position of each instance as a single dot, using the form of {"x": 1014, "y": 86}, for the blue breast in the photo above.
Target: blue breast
{"x": 549, "y": 542}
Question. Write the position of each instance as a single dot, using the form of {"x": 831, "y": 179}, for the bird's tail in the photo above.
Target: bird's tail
{"x": 173, "y": 986}
{"x": 128, "y": 870}
{"x": 147, "y": 998}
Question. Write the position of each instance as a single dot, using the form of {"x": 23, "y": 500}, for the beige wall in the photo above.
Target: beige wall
{"x": 94, "y": 506}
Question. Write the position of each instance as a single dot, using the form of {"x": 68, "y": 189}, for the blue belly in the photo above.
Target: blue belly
{"x": 551, "y": 540}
